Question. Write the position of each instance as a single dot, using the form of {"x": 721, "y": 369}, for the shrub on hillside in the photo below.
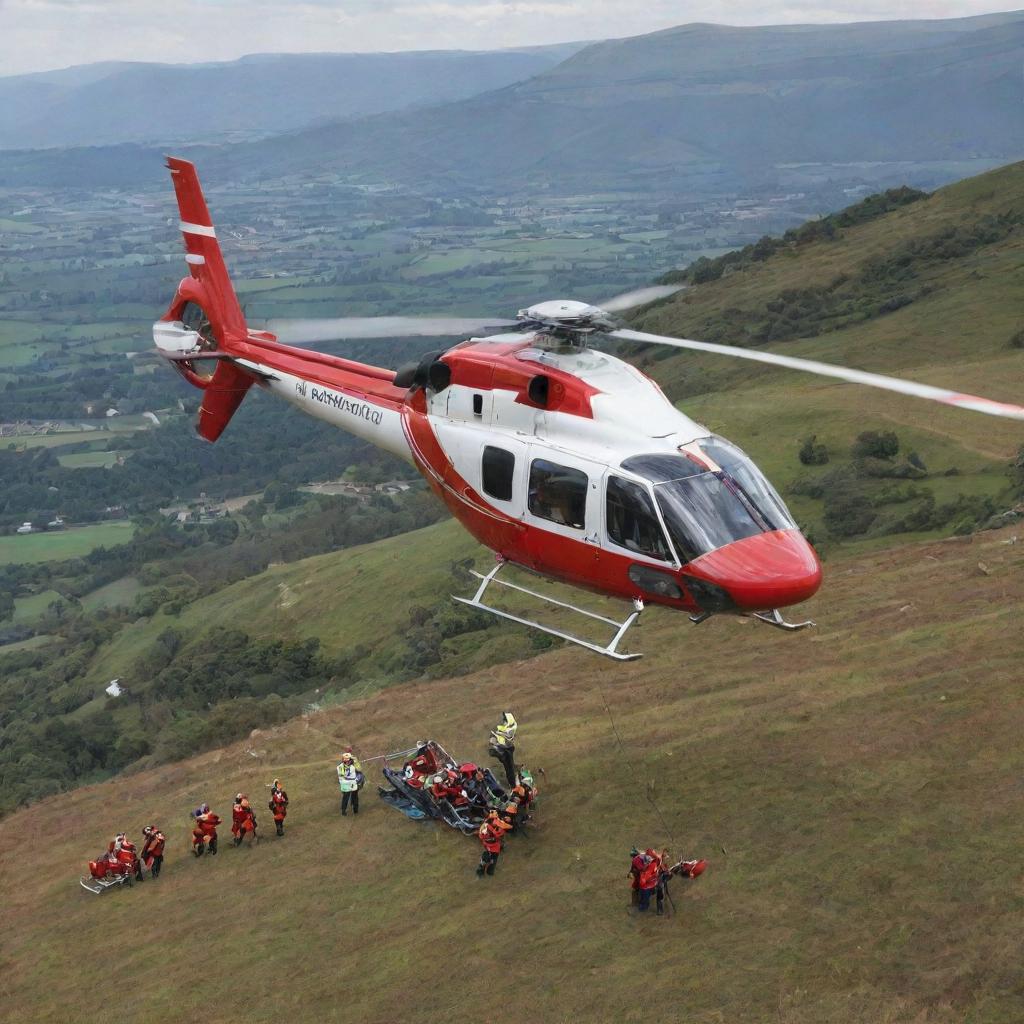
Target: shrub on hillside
{"x": 966, "y": 513}
{"x": 847, "y": 512}
{"x": 813, "y": 454}
{"x": 807, "y": 487}
{"x": 872, "y": 444}
{"x": 896, "y": 495}
{"x": 888, "y": 470}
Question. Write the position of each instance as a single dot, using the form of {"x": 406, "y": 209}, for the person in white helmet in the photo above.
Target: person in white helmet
{"x": 503, "y": 745}
{"x": 350, "y": 780}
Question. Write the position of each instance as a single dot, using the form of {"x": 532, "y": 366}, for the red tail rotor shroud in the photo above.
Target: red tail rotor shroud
{"x": 210, "y": 288}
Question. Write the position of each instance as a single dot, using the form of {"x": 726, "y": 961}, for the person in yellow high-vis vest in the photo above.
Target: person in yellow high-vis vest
{"x": 503, "y": 745}
{"x": 350, "y": 780}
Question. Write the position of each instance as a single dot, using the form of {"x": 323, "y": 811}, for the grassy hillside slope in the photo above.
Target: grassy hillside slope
{"x": 855, "y": 789}
{"x": 382, "y": 612}
{"x": 332, "y": 597}
{"x": 962, "y": 305}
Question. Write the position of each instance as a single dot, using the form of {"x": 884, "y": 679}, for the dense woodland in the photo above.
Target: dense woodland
{"x": 266, "y": 442}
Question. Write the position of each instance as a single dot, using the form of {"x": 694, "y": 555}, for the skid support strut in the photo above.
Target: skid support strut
{"x": 774, "y": 618}
{"x": 609, "y": 651}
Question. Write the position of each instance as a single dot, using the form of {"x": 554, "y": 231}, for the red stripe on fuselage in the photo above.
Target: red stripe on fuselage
{"x": 496, "y": 366}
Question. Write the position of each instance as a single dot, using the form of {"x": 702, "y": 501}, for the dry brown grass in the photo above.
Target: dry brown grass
{"x": 857, "y": 791}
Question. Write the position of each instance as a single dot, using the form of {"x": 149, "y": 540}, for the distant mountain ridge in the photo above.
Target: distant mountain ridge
{"x": 691, "y": 109}
{"x": 702, "y": 100}
{"x": 117, "y": 102}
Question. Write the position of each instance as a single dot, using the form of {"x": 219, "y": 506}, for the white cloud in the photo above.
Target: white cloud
{"x": 44, "y": 34}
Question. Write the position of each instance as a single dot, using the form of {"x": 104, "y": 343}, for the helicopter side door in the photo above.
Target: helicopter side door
{"x": 501, "y": 473}
{"x": 632, "y": 525}
{"x": 563, "y": 511}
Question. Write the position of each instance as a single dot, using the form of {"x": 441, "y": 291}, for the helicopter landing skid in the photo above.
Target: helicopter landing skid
{"x": 608, "y": 651}
{"x": 774, "y": 618}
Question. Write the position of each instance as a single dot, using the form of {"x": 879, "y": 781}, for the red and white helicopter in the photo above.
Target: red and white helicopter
{"x": 562, "y": 459}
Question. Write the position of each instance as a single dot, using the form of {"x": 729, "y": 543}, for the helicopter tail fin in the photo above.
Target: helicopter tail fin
{"x": 204, "y": 321}
{"x": 202, "y": 252}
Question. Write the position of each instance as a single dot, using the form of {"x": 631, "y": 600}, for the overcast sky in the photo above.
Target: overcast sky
{"x": 38, "y": 35}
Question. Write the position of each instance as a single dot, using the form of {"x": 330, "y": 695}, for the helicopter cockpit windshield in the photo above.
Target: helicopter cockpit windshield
{"x": 710, "y": 495}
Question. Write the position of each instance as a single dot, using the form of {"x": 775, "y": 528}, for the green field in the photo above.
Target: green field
{"x": 17, "y": 332}
{"x": 31, "y": 644}
{"x": 26, "y": 609}
{"x": 120, "y": 593}
{"x": 854, "y": 789}
{"x": 90, "y": 460}
{"x": 58, "y": 544}
{"x": 19, "y": 226}
{"x": 58, "y": 438}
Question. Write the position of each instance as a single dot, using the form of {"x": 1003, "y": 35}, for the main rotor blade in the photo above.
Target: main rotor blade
{"x": 638, "y": 297}
{"x": 308, "y": 332}
{"x": 875, "y": 380}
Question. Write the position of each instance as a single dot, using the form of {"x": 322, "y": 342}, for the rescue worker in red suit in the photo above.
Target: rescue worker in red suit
{"x": 492, "y": 834}
{"x": 512, "y": 817}
{"x": 153, "y": 849}
{"x": 650, "y": 879}
{"x": 421, "y": 764}
{"x": 636, "y": 866}
{"x": 523, "y": 793}
{"x": 444, "y": 786}
{"x": 278, "y": 805}
{"x": 243, "y": 820}
{"x": 124, "y": 850}
{"x": 205, "y": 833}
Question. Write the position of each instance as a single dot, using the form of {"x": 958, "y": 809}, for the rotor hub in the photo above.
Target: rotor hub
{"x": 565, "y": 319}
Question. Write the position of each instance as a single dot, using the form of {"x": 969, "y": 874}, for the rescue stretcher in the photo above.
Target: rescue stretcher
{"x": 409, "y": 790}
{"x": 104, "y": 875}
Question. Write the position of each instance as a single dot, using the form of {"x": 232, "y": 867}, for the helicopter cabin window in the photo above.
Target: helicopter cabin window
{"x": 498, "y": 469}
{"x": 751, "y": 481}
{"x": 632, "y": 521}
{"x": 702, "y": 510}
{"x": 558, "y": 493}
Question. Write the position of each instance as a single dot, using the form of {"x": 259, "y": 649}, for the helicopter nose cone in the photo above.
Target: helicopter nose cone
{"x": 768, "y": 570}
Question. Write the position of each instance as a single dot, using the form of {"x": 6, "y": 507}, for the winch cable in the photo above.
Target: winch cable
{"x": 648, "y": 792}
{"x": 632, "y": 768}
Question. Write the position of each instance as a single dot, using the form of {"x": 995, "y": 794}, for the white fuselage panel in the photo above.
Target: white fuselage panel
{"x": 379, "y": 424}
